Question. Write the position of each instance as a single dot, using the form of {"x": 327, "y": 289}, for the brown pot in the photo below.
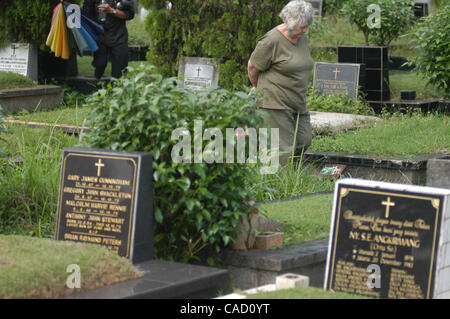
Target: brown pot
{"x": 269, "y": 240}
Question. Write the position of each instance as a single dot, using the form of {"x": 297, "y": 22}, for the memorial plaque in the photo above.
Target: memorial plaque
{"x": 389, "y": 240}
{"x": 19, "y": 58}
{"x": 198, "y": 73}
{"x": 105, "y": 198}
{"x": 337, "y": 78}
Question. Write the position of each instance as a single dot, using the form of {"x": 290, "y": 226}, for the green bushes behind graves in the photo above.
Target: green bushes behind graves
{"x": 195, "y": 204}
{"x": 395, "y": 17}
{"x": 225, "y": 30}
{"x": 432, "y": 39}
{"x": 26, "y": 21}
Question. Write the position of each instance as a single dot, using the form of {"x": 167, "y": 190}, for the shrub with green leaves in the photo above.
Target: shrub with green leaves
{"x": 396, "y": 17}
{"x": 338, "y": 103}
{"x": 196, "y": 205}
{"x": 224, "y": 30}
{"x": 432, "y": 39}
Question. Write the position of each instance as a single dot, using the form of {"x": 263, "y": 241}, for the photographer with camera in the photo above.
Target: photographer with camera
{"x": 113, "y": 43}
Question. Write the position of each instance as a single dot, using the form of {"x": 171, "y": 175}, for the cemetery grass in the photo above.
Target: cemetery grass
{"x": 304, "y": 219}
{"x": 410, "y": 81}
{"x": 403, "y": 135}
{"x": 10, "y": 80}
{"x": 38, "y": 268}
{"x": 29, "y": 179}
{"x": 304, "y": 293}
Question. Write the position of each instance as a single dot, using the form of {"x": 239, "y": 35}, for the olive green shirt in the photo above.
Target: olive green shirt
{"x": 284, "y": 71}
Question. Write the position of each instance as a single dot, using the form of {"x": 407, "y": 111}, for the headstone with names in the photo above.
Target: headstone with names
{"x": 19, "y": 58}
{"x": 198, "y": 73}
{"x": 389, "y": 240}
{"x": 105, "y": 198}
{"x": 337, "y": 78}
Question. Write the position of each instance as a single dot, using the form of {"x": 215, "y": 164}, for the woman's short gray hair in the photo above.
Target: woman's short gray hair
{"x": 297, "y": 13}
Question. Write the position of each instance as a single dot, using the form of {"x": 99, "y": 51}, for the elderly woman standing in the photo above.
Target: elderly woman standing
{"x": 279, "y": 68}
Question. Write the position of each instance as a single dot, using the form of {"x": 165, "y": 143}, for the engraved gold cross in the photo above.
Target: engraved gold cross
{"x": 388, "y": 204}
{"x": 99, "y": 165}
{"x": 335, "y": 73}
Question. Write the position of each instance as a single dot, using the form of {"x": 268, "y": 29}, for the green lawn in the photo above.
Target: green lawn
{"x": 410, "y": 81}
{"x": 13, "y": 80}
{"x": 37, "y": 268}
{"x": 304, "y": 293}
{"x": 399, "y": 135}
{"x": 304, "y": 219}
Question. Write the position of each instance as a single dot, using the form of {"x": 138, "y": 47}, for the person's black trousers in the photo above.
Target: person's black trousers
{"x": 118, "y": 56}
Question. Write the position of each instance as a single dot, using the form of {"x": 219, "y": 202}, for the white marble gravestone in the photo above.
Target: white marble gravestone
{"x": 19, "y": 58}
{"x": 198, "y": 73}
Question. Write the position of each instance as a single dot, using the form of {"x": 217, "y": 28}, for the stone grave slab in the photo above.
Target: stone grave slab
{"x": 19, "y": 58}
{"x": 389, "y": 240}
{"x": 198, "y": 73}
{"x": 337, "y": 78}
{"x": 105, "y": 198}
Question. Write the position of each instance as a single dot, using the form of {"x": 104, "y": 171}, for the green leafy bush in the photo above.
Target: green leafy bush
{"x": 338, "y": 103}
{"x": 224, "y": 30}
{"x": 432, "y": 39}
{"x": 196, "y": 205}
{"x": 396, "y": 17}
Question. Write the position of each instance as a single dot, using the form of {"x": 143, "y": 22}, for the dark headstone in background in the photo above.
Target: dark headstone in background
{"x": 105, "y": 198}
{"x": 338, "y": 78}
{"x": 376, "y": 68}
{"x": 401, "y": 229}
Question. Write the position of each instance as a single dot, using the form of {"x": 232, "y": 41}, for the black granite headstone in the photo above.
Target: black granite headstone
{"x": 105, "y": 198}
{"x": 375, "y": 59}
{"x": 388, "y": 240}
{"x": 337, "y": 78}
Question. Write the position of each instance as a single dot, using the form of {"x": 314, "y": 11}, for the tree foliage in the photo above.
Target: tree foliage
{"x": 225, "y": 30}
{"x": 196, "y": 205}
{"x": 432, "y": 39}
{"x": 396, "y": 16}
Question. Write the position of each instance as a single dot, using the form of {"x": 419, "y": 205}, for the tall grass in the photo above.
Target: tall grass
{"x": 29, "y": 180}
{"x": 293, "y": 179}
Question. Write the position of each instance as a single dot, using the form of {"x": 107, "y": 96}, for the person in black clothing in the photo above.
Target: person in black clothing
{"x": 113, "y": 43}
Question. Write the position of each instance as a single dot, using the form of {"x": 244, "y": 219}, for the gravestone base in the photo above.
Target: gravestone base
{"x": 392, "y": 169}
{"x": 256, "y": 267}
{"x": 438, "y": 172}
{"x": 32, "y": 98}
{"x": 164, "y": 280}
